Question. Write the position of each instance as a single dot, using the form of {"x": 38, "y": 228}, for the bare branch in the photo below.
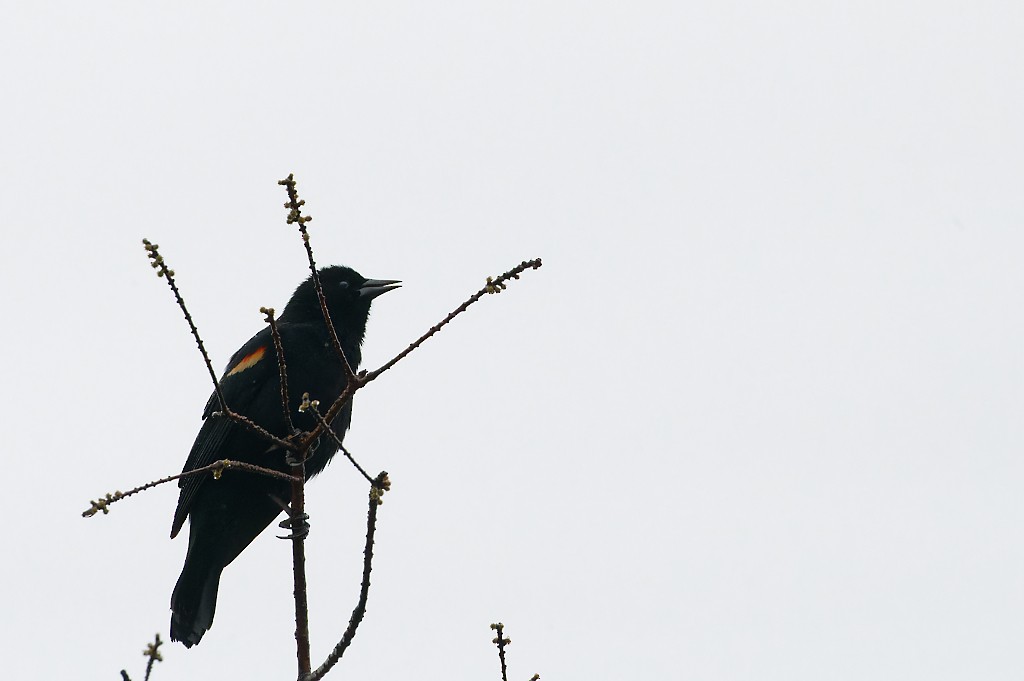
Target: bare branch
{"x": 381, "y": 484}
{"x": 152, "y": 651}
{"x": 294, "y": 207}
{"x": 298, "y": 513}
{"x": 312, "y": 406}
{"x": 217, "y": 467}
{"x": 501, "y": 642}
{"x": 494, "y": 285}
{"x": 260, "y": 430}
{"x": 157, "y": 261}
{"x": 332, "y": 412}
{"x": 281, "y": 367}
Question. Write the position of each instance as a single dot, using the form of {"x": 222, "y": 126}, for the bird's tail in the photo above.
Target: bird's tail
{"x": 194, "y": 600}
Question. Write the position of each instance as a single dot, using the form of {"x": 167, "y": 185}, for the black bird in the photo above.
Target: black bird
{"x": 226, "y": 514}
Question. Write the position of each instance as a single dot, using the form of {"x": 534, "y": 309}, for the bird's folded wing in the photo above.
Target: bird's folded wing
{"x": 249, "y": 371}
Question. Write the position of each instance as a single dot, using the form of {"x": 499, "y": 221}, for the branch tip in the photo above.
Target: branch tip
{"x": 216, "y": 468}
{"x": 379, "y": 485}
{"x": 501, "y": 642}
{"x": 493, "y": 285}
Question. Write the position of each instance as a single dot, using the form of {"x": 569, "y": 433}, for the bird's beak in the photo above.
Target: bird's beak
{"x": 372, "y": 288}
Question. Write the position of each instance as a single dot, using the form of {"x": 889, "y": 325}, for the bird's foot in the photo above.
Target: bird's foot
{"x": 297, "y": 524}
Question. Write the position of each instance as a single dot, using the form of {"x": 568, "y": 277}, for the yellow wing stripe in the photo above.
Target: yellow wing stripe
{"x": 250, "y": 360}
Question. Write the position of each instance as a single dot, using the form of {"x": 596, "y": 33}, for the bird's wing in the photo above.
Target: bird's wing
{"x": 248, "y": 372}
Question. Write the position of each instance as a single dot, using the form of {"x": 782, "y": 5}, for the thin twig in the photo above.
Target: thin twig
{"x": 337, "y": 440}
{"x": 157, "y": 261}
{"x": 294, "y": 207}
{"x": 259, "y": 430}
{"x": 501, "y": 642}
{"x": 494, "y": 285}
{"x": 217, "y": 467}
{"x": 281, "y": 367}
{"x": 332, "y": 412}
{"x": 380, "y": 485}
{"x": 152, "y": 651}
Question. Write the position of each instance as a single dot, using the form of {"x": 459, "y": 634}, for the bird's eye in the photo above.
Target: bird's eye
{"x": 343, "y": 285}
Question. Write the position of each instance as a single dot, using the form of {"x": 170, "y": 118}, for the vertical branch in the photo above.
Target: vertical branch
{"x": 298, "y": 537}
{"x": 299, "y": 572}
{"x": 297, "y": 511}
{"x": 152, "y": 652}
{"x": 501, "y": 642}
{"x": 294, "y": 215}
{"x": 380, "y": 485}
{"x": 282, "y": 368}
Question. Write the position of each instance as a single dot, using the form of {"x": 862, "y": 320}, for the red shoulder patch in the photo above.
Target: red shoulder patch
{"x": 250, "y": 360}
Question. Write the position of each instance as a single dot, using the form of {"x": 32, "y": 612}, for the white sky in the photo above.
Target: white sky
{"x": 757, "y": 417}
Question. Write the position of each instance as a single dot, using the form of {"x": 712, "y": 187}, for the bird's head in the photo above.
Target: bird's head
{"x": 348, "y": 295}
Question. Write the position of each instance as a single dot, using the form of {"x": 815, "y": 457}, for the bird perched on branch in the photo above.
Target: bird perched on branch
{"x": 227, "y": 512}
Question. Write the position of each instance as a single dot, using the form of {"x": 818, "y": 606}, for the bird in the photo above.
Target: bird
{"x": 228, "y": 512}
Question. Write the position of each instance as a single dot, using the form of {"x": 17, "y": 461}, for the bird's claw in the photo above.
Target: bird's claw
{"x": 297, "y": 524}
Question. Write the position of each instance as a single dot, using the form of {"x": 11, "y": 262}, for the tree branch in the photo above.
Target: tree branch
{"x": 381, "y": 484}
{"x": 294, "y": 207}
{"x": 501, "y": 642}
{"x": 157, "y": 261}
{"x": 494, "y": 285}
{"x": 217, "y": 467}
{"x": 282, "y": 368}
{"x": 337, "y": 440}
{"x": 298, "y": 514}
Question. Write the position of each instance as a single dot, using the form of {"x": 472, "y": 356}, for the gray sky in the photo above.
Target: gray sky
{"x": 757, "y": 417}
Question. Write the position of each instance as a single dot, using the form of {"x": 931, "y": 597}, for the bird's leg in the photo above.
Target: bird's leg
{"x": 298, "y": 524}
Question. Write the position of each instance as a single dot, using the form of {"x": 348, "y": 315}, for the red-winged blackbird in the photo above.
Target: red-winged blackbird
{"x": 226, "y": 514}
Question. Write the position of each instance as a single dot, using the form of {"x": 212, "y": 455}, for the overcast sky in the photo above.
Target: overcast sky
{"x": 758, "y": 416}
